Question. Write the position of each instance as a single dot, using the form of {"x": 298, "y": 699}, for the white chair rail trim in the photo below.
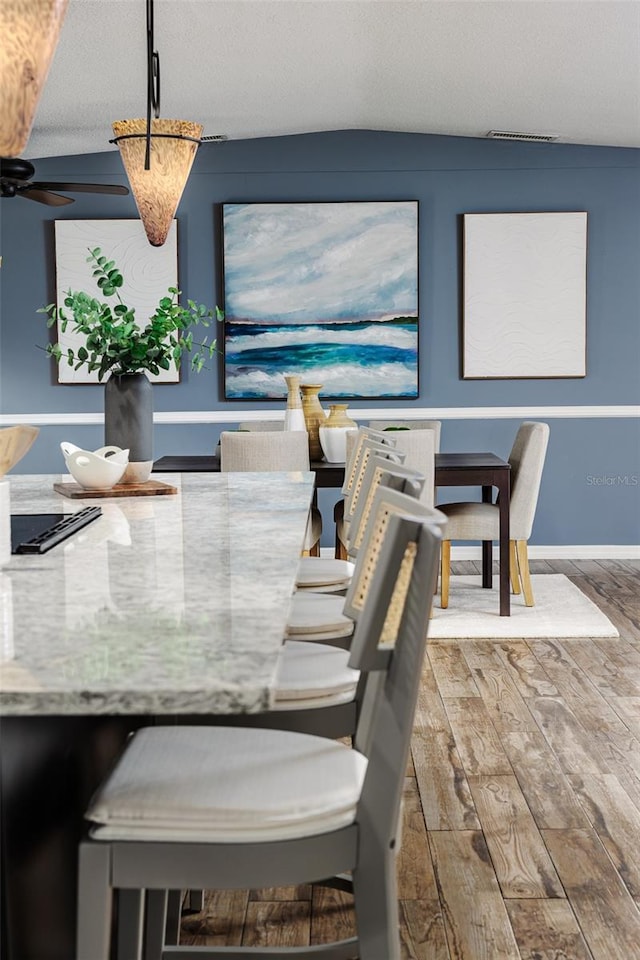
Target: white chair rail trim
{"x": 368, "y": 413}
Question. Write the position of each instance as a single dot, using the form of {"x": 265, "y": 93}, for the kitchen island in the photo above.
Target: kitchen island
{"x": 160, "y": 607}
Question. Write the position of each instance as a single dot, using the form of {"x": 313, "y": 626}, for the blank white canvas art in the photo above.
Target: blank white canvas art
{"x": 148, "y": 273}
{"x": 524, "y": 295}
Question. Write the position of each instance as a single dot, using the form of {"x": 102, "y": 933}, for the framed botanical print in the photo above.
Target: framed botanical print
{"x": 148, "y": 273}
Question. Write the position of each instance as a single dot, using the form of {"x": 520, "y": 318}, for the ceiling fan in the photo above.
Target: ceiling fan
{"x": 16, "y": 179}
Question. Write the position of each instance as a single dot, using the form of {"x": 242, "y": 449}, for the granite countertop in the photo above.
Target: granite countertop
{"x": 163, "y": 605}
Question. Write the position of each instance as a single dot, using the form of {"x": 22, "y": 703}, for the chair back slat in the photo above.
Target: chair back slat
{"x": 379, "y": 472}
{"x": 368, "y": 449}
{"x": 355, "y": 439}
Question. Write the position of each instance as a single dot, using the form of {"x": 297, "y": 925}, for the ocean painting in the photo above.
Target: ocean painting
{"x": 327, "y": 291}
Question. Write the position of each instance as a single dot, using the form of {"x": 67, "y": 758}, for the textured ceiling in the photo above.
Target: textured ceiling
{"x": 255, "y": 68}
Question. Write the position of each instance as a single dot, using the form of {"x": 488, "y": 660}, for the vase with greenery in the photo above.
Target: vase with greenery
{"x": 118, "y": 347}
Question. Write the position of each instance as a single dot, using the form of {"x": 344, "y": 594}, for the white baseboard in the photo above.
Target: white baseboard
{"x": 581, "y": 551}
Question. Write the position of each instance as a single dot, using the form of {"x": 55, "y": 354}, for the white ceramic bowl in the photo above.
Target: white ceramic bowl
{"x": 97, "y": 470}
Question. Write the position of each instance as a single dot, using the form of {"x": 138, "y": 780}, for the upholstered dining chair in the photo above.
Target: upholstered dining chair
{"x": 213, "y": 807}
{"x": 261, "y": 425}
{"x": 271, "y": 450}
{"x": 480, "y": 521}
{"x": 385, "y": 425}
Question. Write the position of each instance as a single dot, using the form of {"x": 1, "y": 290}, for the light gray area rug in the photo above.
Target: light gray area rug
{"x": 561, "y": 610}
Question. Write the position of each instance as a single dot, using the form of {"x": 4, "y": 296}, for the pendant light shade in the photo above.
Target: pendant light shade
{"x": 158, "y": 189}
{"x": 29, "y": 31}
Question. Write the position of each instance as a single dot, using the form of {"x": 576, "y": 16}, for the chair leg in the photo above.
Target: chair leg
{"x": 513, "y": 567}
{"x": 445, "y": 573}
{"x": 130, "y": 924}
{"x": 195, "y": 901}
{"x": 95, "y": 897}
{"x": 523, "y": 563}
{"x": 376, "y": 907}
{"x": 155, "y": 921}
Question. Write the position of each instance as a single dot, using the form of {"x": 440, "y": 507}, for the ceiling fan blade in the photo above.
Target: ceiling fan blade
{"x": 111, "y": 188}
{"x": 45, "y": 196}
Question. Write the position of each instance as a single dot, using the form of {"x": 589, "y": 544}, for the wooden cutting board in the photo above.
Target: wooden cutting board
{"x": 150, "y": 488}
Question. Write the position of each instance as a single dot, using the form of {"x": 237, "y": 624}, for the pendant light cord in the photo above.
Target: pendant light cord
{"x": 153, "y": 82}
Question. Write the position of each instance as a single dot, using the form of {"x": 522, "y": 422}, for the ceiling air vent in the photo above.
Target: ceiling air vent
{"x": 531, "y": 137}
{"x": 215, "y": 138}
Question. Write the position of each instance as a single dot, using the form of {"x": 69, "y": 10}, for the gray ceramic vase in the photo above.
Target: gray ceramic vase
{"x": 128, "y": 422}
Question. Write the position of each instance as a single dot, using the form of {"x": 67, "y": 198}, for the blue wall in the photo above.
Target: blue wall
{"x": 449, "y": 176}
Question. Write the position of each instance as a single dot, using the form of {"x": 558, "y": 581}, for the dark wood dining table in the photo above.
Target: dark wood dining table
{"x": 485, "y": 470}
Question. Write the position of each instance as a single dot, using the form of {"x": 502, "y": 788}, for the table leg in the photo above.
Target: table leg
{"x": 505, "y": 583}
{"x": 487, "y": 545}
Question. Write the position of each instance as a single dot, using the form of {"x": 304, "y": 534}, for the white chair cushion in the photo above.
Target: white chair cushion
{"x": 313, "y": 672}
{"x": 312, "y": 613}
{"x": 228, "y": 784}
{"x": 471, "y": 521}
{"x": 323, "y": 571}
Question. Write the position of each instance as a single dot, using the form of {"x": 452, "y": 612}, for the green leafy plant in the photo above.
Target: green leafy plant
{"x": 114, "y": 340}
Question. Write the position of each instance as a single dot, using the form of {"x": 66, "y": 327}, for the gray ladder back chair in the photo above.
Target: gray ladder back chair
{"x": 332, "y": 574}
{"x": 480, "y": 521}
{"x": 217, "y": 808}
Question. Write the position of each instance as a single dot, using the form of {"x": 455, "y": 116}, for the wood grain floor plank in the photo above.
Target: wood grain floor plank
{"x": 525, "y": 670}
{"x": 628, "y": 709}
{"x": 608, "y": 917}
{"x": 422, "y": 935}
{"x": 520, "y": 859}
{"x": 430, "y": 714}
{"x": 478, "y": 743}
{"x": 442, "y": 784}
{"x": 572, "y": 744}
{"x": 476, "y": 921}
{"x": 545, "y": 786}
{"x": 616, "y": 820}
{"x": 280, "y": 923}
{"x": 332, "y": 916}
{"x": 507, "y": 708}
{"x": 547, "y": 930}
{"x": 302, "y": 892}
{"x": 610, "y": 679}
{"x": 620, "y": 651}
{"x": 575, "y": 686}
{"x": 416, "y": 880}
{"x": 221, "y": 923}
{"x": 622, "y": 755}
{"x": 451, "y": 670}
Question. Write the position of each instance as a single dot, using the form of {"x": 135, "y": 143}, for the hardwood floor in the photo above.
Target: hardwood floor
{"x": 521, "y": 834}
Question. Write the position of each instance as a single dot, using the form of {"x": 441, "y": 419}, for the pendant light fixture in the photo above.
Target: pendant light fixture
{"x": 29, "y": 31}
{"x": 157, "y": 154}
